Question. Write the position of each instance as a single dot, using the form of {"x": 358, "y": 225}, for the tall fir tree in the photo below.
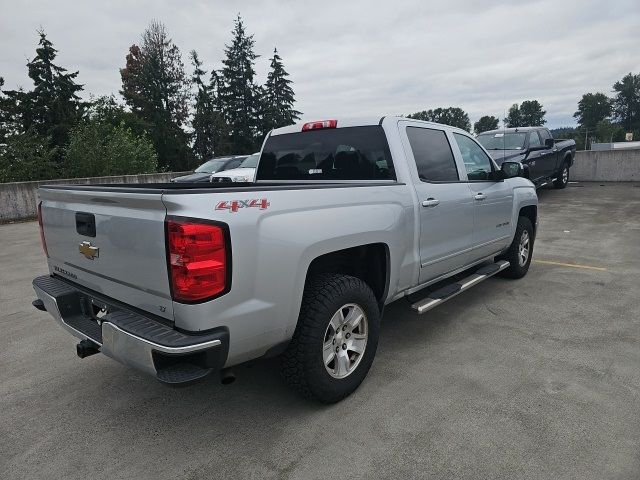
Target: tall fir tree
{"x": 53, "y": 107}
{"x": 514, "y": 117}
{"x": 593, "y": 108}
{"x": 238, "y": 91}
{"x": 155, "y": 87}
{"x": 210, "y": 135}
{"x": 626, "y": 103}
{"x": 278, "y": 97}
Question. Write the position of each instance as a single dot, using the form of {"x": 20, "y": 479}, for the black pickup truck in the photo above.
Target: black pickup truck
{"x": 544, "y": 158}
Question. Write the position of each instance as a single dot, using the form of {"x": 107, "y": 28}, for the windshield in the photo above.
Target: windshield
{"x": 251, "y": 161}
{"x": 503, "y": 140}
{"x": 353, "y": 153}
{"x": 212, "y": 166}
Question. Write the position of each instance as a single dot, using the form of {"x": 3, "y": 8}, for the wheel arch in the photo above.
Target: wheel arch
{"x": 530, "y": 212}
{"x": 369, "y": 262}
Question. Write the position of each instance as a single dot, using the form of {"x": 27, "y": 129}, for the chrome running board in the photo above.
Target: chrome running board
{"x": 449, "y": 291}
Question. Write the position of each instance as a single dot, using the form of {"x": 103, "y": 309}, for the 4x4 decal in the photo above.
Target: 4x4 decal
{"x": 235, "y": 205}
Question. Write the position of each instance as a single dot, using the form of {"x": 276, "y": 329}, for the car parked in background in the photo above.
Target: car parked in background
{"x": 246, "y": 172}
{"x": 203, "y": 172}
{"x": 543, "y": 158}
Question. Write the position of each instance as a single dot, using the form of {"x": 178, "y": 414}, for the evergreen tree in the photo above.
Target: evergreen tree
{"x": 278, "y": 97}
{"x": 453, "y": 116}
{"x": 155, "y": 87}
{"x": 209, "y": 128}
{"x": 528, "y": 114}
{"x": 27, "y": 156}
{"x": 53, "y": 107}
{"x": 5, "y": 117}
{"x": 513, "y": 118}
{"x": 110, "y": 111}
{"x": 593, "y": 108}
{"x": 238, "y": 92}
{"x": 626, "y": 103}
{"x": 485, "y": 123}
{"x": 531, "y": 114}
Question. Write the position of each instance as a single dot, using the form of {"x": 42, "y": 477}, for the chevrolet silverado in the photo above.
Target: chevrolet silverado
{"x": 344, "y": 217}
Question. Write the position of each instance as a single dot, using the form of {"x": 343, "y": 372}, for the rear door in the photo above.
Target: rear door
{"x": 112, "y": 242}
{"x": 536, "y": 158}
{"x": 445, "y": 205}
{"x": 492, "y": 200}
{"x": 549, "y": 156}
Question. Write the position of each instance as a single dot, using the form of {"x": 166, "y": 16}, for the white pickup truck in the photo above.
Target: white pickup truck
{"x": 344, "y": 217}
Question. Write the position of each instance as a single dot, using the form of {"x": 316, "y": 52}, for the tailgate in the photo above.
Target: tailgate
{"x": 124, "y": 258}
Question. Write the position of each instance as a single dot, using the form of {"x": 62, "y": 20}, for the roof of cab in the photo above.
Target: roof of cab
{"x": 511, "y": 130}
{"x": 356, "y": 122}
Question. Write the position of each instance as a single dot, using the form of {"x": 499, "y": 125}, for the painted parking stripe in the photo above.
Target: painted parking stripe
{"x": 572, "y": 265}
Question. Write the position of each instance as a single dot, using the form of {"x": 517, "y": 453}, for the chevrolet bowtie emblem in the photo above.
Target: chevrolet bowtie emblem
{"x": 89, "y": 250}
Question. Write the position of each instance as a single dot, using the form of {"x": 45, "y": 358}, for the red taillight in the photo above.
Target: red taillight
{"x": 42, "y": 239}
{"x": 319, "y": 125}
{"x": 198, "y": 260}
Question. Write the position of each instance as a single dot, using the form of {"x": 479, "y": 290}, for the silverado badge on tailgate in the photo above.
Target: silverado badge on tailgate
{"x": 88, "y": 250}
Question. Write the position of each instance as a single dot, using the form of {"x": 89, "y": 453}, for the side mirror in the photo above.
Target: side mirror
{"x": 511, "y": 169}
{"x": 549, "y": 142}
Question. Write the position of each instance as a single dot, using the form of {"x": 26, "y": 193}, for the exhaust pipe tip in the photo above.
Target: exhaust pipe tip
{"x": 227, "y": 377}
{"x": 87, "y": 348}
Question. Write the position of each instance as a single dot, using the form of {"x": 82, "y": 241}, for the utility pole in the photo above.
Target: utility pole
{"x": 585, "y": 138}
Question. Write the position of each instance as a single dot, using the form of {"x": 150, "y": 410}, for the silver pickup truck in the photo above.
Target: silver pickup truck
{"x": 344, "y": 217}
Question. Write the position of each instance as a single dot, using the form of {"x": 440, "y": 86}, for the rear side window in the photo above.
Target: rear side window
{"x": 544, "y": 135}
{"x": 534, "y": 139}
{"x": 352, "y": 153}
{"x": 433, "y": 155}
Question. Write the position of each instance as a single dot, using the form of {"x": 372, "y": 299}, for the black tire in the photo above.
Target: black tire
{"x": 303, "y": 366}
{"x": 518, "y": 269}
{"x": 562, "y": 180}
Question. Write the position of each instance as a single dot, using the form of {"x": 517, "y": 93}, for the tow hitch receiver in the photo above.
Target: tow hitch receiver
{"x": 86, "y": 348}
{"x": 39, "y": 304}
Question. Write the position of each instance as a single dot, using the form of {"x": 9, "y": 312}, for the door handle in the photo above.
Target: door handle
{"x": 430, "y": 202}
{"x": 480, "y": 196}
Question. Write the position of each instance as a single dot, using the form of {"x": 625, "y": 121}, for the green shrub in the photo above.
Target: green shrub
{"x": 99, "y": 149}
{"x": 27, "y": 156}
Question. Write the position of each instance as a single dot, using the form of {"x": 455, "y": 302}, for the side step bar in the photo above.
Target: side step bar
{"x": 449, "y": 291}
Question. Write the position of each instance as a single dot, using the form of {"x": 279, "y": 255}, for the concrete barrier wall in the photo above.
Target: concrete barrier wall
{"x": 606, "y": 166}
{"x": 18, "y": 200}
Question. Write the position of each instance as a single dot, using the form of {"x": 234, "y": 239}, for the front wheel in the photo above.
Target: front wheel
{"x": 520, "y": 251}
{"x": 562, "y": 179}
{"x": 335, "y": 340}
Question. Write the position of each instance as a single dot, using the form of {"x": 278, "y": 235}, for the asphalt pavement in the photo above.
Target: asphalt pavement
{"x": 535, "y": 378}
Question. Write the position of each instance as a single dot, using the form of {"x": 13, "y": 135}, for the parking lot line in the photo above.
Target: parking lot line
{"x": 572, "y": 265}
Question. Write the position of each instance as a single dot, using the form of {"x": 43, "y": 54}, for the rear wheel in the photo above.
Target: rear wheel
{"x": 562, "y": 179}
{"x": 335, "y": 340}
{"x": 520, "y": 251}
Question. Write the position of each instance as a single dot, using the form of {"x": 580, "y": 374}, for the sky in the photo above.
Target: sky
{"x": 353, "y": 58}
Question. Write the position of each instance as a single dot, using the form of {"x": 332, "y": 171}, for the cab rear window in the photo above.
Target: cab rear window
{"x": 351, "y": 153}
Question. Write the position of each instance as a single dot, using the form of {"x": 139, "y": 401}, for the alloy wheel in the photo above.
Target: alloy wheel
{"x": 345, "y": 340}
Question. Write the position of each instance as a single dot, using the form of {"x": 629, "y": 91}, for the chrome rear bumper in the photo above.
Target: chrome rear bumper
{"x": 133, "y": 338}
